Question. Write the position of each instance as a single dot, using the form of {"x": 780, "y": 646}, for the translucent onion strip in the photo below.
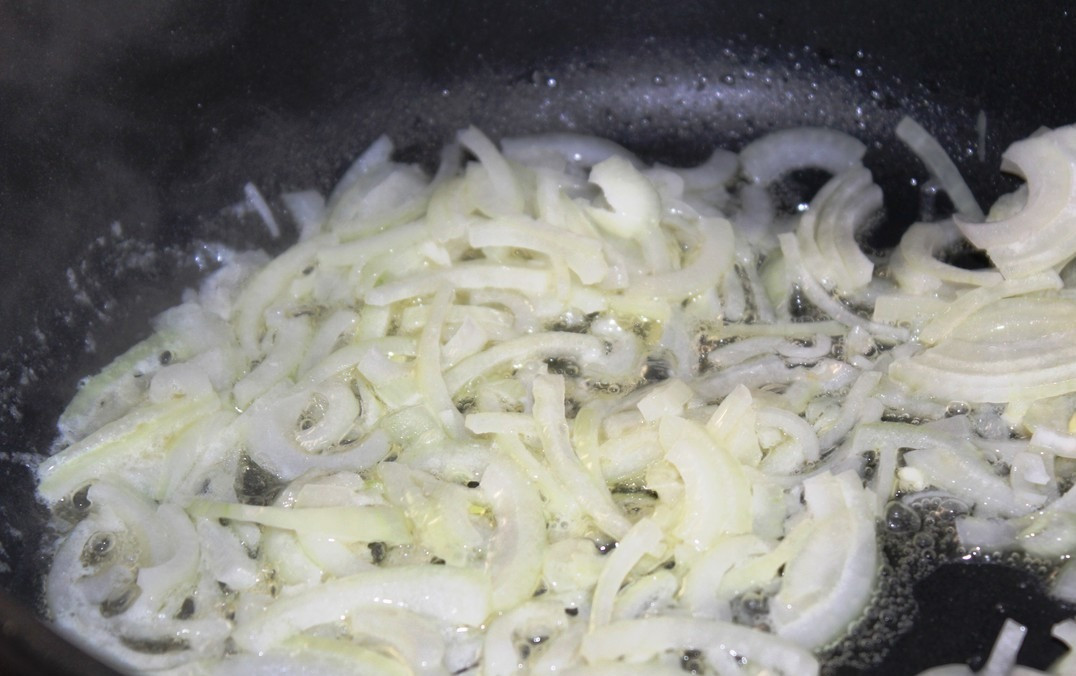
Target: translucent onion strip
{"x": 635, "y": 641}
{"x": 777, "y": 153}
{"x": 938, "y": 163}
{"x": 456, "y": 595}
{"x": 1041, "y": 235}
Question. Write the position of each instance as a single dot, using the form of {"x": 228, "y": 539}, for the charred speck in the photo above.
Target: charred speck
{"x": 656, "y": 370}
{"x": 377, "y": 551}
{"x": 692, "y": 662}
{"x": 186, "y": 611}
{"x": 571, "y": 408}
{"x": 165, "y": 358}
{"x": 255, "y": 485}
{"x": 473, "y": 484}
{"x": 437, "y": 561}
{"x": 571, "y": 612}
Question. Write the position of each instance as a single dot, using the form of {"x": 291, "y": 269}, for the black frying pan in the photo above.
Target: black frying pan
{"x": 153, "y": 115}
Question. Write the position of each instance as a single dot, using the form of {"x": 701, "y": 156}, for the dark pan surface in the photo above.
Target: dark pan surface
{"x": 152, "y": 116}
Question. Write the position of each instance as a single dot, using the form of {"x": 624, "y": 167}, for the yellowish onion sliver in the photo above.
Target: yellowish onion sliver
{"x": 531, "y": 281}
{"x": 645, "y": 538}
{"x": 634, "y": 205}
{"x": 946, "y": 322}
{"x": 501, "y": 422}
{"x": 501, "y": 176}
{"x": 777, "y": 153}
{"x": 582, "y": 347}
{"x": 357, "y": 253}
{"x": 267, "y": 285}
{"x": 814, "y": 292}
{"x": 916, "y": 266}
{"x": 1040, "y": 236}
{"x": 346, "y": 523}
{"x": 796, "y": 429}
{"x": 283, "y": 358}
{"x": 579, "y": 149}
{"x": 641, "y": 597}
{"x": 837, "y": 232}
{"x": 636, "y": 641}
{"x": 515, "y": 553}
{"x": 699, "y": 591}
{"x": 159, "y": 581}
{"x": 500, "y": 656}
{"x": 325, "y": 657}
{"x": 387, "y": 196}
{"x": 801, "y": 330}
{"x": 827, "y": 230}
{"x": 625, "y": 456}
{"x": 716, "y": 498}
{"x": 582, "y": 254}
{"x": 593, "y": 497}
{"x": 940, "y": 165}
{"x": 828, "y": 583}
{"x": 413, "y": 639}
{"x": 560, "y": 502}
{"x": 712, "y": 261}
{"x": 122, "y": 443}
{"x": 999, "y": 373}
{"x": 272, "y": 444}
{"x": 458, "y": 596}
{"x": 968, "y": 477}
{"x": 428, "y": 371}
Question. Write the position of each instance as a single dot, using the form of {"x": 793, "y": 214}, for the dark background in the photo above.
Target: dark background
{"x": 127, "y": 128}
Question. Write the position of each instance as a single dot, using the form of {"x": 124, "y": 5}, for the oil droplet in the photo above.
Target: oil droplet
{"x": 956, "y": 408}
{"x": 901, "y": 518}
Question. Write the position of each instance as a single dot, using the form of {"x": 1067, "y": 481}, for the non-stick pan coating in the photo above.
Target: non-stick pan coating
{"x": 126, "y": 128}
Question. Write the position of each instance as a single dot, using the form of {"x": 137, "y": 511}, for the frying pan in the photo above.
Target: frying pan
{"x": 127, "y": 128}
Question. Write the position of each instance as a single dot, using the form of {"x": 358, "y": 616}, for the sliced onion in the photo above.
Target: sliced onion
{"x": 635, "y": 641}
{"x": 455, "y": 595}
{"x": 777, "y": 153}
{"x": 938, "y": 163}
{"x": 1041, "y": 236}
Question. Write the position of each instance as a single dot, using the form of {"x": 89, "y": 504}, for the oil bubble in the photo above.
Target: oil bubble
{"x": 900, "y": 518}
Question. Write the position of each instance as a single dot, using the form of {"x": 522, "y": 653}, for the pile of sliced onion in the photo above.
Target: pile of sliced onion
{"x": 555, "y": 410}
